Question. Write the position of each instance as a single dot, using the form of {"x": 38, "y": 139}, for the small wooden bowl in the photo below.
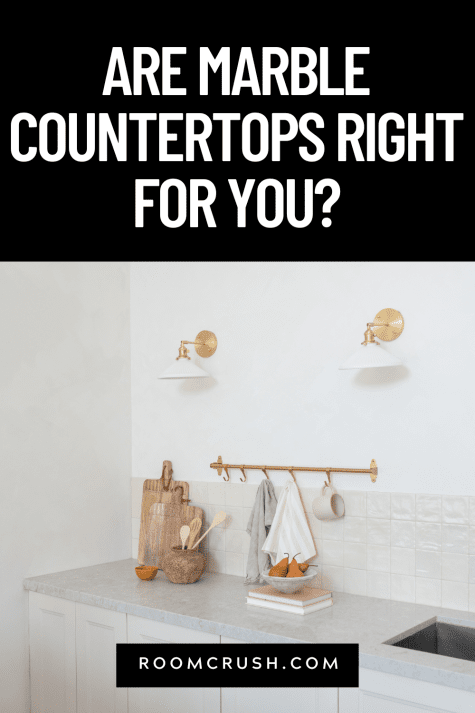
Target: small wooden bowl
{"x": 146, "y": 573}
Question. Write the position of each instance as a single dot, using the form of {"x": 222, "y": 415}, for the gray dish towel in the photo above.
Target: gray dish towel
{"x": 258, "y": 527}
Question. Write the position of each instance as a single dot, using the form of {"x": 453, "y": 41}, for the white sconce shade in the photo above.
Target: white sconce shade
{"x": 368, "y": 356}
{"x": 183, "y": 369}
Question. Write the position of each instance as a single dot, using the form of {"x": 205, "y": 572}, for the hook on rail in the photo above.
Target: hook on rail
{"x": 244, "y": 474}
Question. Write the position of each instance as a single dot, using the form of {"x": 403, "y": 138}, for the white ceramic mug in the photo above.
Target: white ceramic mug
{"x": 329, "y": 505}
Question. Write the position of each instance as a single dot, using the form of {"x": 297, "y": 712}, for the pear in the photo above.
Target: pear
{"x": 294, "y": 570}
{"x": 280, "y": 569}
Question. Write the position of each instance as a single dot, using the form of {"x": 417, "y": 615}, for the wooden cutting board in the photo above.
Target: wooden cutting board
{"x": 161, "y": 491}
{"x": 166, "y": 520}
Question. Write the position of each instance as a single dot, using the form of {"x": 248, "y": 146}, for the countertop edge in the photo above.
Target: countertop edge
{"x": 371, "y": 661}
{"x": 162, "y": 615}
{"x": 418, "y": 672}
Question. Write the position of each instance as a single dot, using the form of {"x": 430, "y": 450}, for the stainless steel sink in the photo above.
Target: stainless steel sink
{"x": 439, "y": 636}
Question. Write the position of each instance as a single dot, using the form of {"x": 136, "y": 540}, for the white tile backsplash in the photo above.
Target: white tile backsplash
{"x": 454, "y": 567}
{"x": 234, "y": 519}
{"x": 378, "y": 505}
{"x": 403, "y": 560}
{"x": 217, "y": 561}
{"x": 333, "y": 578}
{"x": 402, "y": 533}
{"x": 428, "y": 564}
{"x": 234, "y": 564}
{"x": 455, "y": 539}
{"x": 411, "y": 548}
{"x": 333, "y": 552}
{"x": 355, "y": 503}
{"x": 217, "y": 539}
{"x": 217, "y": 493}
{"x": 236, "y": 541}
{"x": 355, "y": 581}
{"x": 429, "y": 508}
{"x": 355, "y": 555}
{"x": 249, "y": 495}
{"x": 403, "y": 588}
{"x": 378, "y": 584}
{"x": 428, "y": 591}
{"x": 378, "y": 531}
{"x": 403, "y": 506}
{"x": 455, "y": 509}
{"x": 471, "y": 597}
{"x": 454, "y": 595}
{"x": 315, "y": 525}
{"x": 471, "y": 569}
{"x": 428, "y": 536}
{"x": 233, "y": 495}
{"x": 333, "y": 529}
{"x": 354, "y": 529}
{"x": 378, "y": 557}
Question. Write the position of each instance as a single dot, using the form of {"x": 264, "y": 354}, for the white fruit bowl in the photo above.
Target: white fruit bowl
{"x": 290, "y": 585}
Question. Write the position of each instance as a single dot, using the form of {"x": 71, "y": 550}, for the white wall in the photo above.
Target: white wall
{"x": 276, "y": 395}
{"x": 65, "y": 431}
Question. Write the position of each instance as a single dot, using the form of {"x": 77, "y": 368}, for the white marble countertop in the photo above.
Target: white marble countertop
{"x": 217, "y": 604}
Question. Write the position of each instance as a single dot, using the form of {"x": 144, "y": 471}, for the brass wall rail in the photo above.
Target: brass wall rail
{"x": 220, "y": 466}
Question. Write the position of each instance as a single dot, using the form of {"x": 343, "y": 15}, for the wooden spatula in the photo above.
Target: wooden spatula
{"x": 184, "y": 532}
{"x": 195, "y": 527}
{"x": 218, "y": 518}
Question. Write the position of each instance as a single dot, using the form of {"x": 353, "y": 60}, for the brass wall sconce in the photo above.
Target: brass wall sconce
{"x": 387, "y": 325}
{"x": 183, "y": 368}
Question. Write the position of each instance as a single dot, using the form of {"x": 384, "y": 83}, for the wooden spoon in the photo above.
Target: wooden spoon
{"x": 218, "y": 518}
{"x": 184, "y": 532}
{"x": 195, "y": 527}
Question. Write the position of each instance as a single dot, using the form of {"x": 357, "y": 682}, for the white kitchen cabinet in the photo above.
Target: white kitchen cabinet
{"x": 386, "y": 693}
{"x": 52, "y": 654}
{"x": 170, "y": 700}
{"x": 97, "y": 633}
{"x": 72, "y": 670}
{"x": 279, "y": 700}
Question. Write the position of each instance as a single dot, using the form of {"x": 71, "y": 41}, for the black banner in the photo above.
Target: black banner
{"x": 234, "y": 666}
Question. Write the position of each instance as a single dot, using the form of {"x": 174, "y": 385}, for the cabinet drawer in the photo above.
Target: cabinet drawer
{"x": 146, "y": 630}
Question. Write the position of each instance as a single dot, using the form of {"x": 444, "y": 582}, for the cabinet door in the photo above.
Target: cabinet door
{"x": 52, "y": 654}
{"x": 97, "y": 633}
{"x": 279, "y": 700}
{"x": 170, "y": 700}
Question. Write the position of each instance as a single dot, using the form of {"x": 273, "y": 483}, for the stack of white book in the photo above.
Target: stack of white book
{"x": 306, "y": 601}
